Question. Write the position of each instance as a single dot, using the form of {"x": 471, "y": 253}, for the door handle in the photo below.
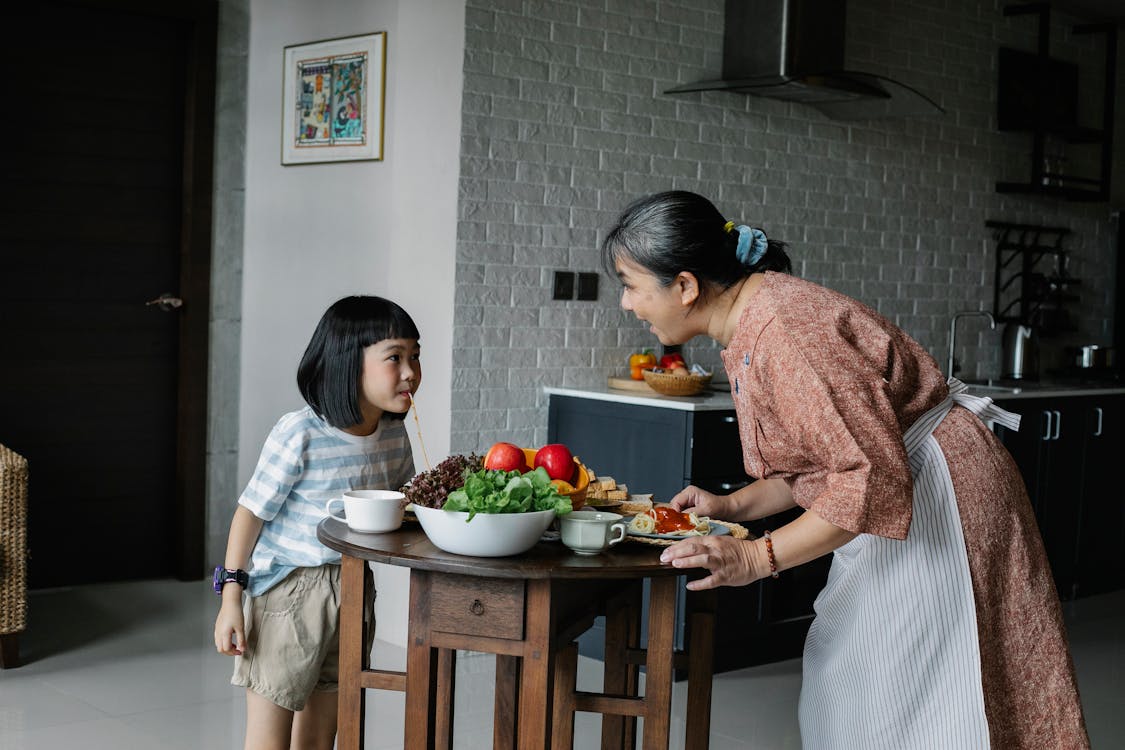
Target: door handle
{"x": 732, "y": 485}
{"x": 1047, "y": 432}
{"x": 166, "y": 302}
{"x": 1098, "y": 432}
{"x": 1058, "y": 425}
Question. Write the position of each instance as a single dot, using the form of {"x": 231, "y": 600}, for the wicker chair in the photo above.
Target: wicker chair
{"x": 13, "y": 554}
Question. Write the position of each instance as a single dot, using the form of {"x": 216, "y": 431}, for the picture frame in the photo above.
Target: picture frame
{"x": 333, "y": 100}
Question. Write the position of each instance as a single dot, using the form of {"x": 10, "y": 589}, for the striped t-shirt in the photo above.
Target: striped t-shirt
{"x": 304, "y": 463}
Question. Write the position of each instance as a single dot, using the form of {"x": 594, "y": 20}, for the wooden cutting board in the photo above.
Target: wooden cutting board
{"x": 628, "y": 384}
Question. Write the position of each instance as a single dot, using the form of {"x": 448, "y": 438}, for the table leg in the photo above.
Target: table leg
{"x": 658, "y": 662}
{"x": 535, "y": 671}
{"x": 350, "y": 713}
{"x": 622, "y": 633}
{"x": 421, "y": 668}
{"x": 446, "y": 688}
{"x": 702, "y": 606}
{"x": 506, "y": 705}
{"x": 562, "y": 719}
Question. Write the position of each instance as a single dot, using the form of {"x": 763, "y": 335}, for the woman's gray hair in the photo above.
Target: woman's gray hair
{"x": 676, "y": 231}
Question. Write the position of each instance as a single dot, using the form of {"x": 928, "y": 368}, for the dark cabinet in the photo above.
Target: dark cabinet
{"x": 1038, "y": 95}
{"x": 661, "y": 450}
{"x": 1101, "y": 526}
{"x": 1066, "y": 449}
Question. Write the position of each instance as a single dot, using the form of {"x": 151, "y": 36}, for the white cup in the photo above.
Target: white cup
{"x": 372, "y": 511}
{"x": 589, "y": 532}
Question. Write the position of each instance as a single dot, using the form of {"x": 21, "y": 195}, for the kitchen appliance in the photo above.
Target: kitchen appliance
{"x": 1021, "y": 352}
{"x": 794, "y": 50}
{"x": 1092, "y": 357}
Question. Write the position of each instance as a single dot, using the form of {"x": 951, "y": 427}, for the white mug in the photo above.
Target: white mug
{"x": 372, "y": 511}
{"x": 589, "y": 532}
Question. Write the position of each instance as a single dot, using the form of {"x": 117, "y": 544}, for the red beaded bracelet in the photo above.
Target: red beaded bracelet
{"x": 769, "y": 553}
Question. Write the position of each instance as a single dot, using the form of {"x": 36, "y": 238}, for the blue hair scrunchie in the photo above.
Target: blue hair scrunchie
{"x": 752, "y": 244}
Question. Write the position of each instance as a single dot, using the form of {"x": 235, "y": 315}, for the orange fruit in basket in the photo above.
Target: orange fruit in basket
{"x": 562, "y": 486}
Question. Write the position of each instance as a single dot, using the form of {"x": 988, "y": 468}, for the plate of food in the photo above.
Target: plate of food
{"x": 665, "y": 522}
{"x": 714, "y": 530}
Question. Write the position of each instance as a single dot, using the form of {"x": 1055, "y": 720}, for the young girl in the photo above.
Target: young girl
{"x": 357, "y": 375}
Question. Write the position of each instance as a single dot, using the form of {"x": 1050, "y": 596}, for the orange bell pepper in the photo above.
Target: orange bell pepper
{"x": 639, "y": 362}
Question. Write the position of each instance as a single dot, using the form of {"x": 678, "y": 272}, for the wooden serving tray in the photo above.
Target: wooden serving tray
{"x": 628, "y": 384}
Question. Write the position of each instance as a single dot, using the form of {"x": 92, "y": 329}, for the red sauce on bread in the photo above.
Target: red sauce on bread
{"x": 669, "y": 520}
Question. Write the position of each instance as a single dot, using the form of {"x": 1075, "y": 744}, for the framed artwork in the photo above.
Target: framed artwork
{"x": 332, "y": 101}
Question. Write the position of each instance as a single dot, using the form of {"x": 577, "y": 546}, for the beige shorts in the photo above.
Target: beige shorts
{"x": 293, "y": 636}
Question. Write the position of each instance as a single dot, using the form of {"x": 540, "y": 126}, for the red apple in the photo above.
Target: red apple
{"x": 505, "y": 457}
{"x": 557, "y": 460}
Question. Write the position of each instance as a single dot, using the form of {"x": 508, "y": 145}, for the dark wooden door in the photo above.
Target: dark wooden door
{"x": 101, "y": 209}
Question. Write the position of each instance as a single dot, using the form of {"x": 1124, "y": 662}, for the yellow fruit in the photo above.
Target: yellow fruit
{"x": 562, "y": 486}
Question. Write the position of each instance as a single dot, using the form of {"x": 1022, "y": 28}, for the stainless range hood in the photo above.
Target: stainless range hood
{"x": 794, "y": 50}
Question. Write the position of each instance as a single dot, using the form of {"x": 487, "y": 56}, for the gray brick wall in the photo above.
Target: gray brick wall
{"x": 565, "y": 122}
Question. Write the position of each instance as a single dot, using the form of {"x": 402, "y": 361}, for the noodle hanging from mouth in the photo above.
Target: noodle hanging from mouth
{"x": 418, "y": 428}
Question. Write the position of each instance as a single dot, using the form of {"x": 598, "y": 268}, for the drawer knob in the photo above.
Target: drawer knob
{"x": 477, "y": 608}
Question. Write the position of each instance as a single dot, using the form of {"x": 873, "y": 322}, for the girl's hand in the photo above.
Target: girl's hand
{"x": 230, "y": 630}
{"x": 701, "y": 502}
{"x": 731, "y": 562}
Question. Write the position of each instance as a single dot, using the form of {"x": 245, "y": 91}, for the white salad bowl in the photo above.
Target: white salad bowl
{"x": 487, "y": 535}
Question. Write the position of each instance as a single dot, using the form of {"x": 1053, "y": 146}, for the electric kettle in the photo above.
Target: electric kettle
{"x": 1021, "y": 352}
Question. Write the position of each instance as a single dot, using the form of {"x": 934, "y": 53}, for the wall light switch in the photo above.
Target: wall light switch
{"x": 587, "y": 286}
{"x": 564, "y": 285}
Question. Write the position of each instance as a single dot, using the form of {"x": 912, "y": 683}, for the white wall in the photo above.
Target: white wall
{"x": 315, "y": 233}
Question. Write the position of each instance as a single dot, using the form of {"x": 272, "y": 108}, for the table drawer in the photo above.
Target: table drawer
{"x": 477, "y": 606}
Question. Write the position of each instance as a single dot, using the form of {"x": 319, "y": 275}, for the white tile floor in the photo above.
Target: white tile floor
{"x": 126, "y": 666}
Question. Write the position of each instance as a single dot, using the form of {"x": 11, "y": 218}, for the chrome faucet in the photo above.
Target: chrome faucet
{"x": 953, "y": 332}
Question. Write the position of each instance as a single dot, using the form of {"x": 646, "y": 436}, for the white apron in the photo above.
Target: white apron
{"x": 892, "y": 659}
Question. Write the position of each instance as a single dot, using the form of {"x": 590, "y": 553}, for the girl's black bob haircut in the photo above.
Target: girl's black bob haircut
{"x": 330, "y": 370}
{"x": 675, "y": 231}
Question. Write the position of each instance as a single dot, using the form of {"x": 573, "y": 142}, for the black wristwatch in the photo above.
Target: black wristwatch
{"x": 223, "y": 576}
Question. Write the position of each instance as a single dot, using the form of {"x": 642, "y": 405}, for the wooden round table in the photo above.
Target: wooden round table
{"x": 527, "y": 609}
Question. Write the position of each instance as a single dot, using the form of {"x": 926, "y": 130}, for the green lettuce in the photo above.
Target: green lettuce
{"x": 491, "y": 491}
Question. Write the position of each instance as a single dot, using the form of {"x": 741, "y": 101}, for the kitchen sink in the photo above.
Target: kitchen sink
{"x": 989, "y": 387}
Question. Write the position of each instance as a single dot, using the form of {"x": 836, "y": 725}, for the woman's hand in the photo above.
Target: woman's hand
{"x": 759, "y": 499}
{"x": 230, "y": 629}
{"x": 701, "y": 502}
{"x": 731, "y": 562}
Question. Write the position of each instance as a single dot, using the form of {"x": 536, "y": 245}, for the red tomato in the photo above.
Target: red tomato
{"x": 505, "y": 457}
{"x": 557, "y": 460}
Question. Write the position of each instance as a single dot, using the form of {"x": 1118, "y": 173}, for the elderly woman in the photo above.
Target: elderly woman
{"x": 939, "y": 626}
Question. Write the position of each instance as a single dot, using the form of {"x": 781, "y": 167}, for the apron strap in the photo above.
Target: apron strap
{"x": 982, "y": 406}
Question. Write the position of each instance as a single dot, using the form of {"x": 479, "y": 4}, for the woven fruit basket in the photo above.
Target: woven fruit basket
{"x": 676, "y": 385}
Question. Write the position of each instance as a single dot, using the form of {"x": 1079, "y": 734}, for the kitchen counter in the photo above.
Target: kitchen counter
{"x": 1019, "y": 389}
{"x": 706, "y": 401}
{"x": 998, "y": 390}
